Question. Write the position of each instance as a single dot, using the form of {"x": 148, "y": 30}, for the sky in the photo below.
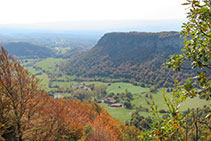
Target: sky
{"x": 88, "y": 13}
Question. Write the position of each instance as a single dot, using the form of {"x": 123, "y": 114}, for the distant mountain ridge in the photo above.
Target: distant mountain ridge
{"x": 27, "y": 49}
{"x": 133, "y": 55}
{"x": 137, "y": 46}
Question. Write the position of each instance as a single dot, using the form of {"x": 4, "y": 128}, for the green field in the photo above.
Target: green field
{"x": 64, "y": 49}
{"x": 49, "y": 64}
{"x": 64, "y": 84}
{"x": 121, "y": 114}
{"x": 120, "y": 88}
{"x": 32, "y": 70}
{"x": 44, "y": 81}
{"x": 139, "y": 94}
{"x": 46, "y": 65}
{"x": 25, "y": 62}
{"x": 96, "y": 83}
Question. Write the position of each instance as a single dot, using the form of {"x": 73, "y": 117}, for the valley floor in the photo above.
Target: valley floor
{"x": 57, "y": 83}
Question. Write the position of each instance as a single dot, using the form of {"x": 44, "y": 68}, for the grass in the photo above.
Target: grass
{"x": 159, "y": 100}
{"x": 71, "y": 77}
{"x": 64, "y": 77}
{"x": 97, "y": 83}
{"x": 139, "y": 100}
{"x": 64, "y": 94}
{"x": 120, "y": 88}
{"x": 26, "y": 61}
{"x": 32, "y": 70}
{"x": 64, "y": 84}
{"x": 49, "y": 64}
{"x": 64, "y": 49}
{"x": 138, "y": 92}
{"x": 194, "y": 103}
{"x": 121, "y": 114}
{"x": 44, "y": 81}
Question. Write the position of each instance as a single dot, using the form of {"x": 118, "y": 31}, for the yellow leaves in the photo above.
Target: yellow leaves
{"x": 187, "y": 29}
{"x": 186, "y": 46}
{"x": 193, "y": 93}
{"x": 178, "y": 127}
{"x": 200, "y": 49}
{"x": 192, "y": 5}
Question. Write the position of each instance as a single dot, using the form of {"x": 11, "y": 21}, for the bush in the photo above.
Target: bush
{"x": 153, "y": 89}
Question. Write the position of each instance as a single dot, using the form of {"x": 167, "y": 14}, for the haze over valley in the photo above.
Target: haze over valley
{"x": 105, "y": 70}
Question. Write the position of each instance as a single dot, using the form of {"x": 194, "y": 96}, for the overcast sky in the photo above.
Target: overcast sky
{"x": 45, "y": 11}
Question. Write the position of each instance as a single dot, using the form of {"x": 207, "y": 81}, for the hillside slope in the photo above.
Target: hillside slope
{"x": 135, "y": 55}
{"x": 27, "y": 50}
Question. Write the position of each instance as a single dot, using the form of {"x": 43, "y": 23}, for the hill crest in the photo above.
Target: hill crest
{"x": 133, "y": 55}
{"x": 27, "y": 49}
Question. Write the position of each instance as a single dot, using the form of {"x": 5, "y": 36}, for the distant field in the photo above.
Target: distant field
{"x": 44, "y": 81}
{"x": 32, "y": 70}
{"x": 64, "y": 49}
{"x": 49, "y": 64}
{"x": 97, "y": 83}
{"x": 64, "y": 84}
{"x": 121, "y": 114}
{"x": 120, "y": 88}
{"x": 27, "y": 61}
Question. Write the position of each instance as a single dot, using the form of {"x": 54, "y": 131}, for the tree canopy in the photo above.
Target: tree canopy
{"x": 196, "y": 56}
{"x": 197, "y": 49}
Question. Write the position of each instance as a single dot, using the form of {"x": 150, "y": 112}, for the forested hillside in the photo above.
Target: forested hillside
{"x": 27, "y": 50}
{"x": 137, "y": 56}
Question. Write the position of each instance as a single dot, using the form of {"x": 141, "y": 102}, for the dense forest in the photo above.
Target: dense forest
{"x": 135, "y": 56}
{"x": 28, "y": 50}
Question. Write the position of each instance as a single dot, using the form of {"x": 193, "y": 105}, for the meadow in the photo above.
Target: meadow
{"x": 139, "y": 95}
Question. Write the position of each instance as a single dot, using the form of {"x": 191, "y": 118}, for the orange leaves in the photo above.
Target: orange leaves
{"x": 28, "y": 113}
{"x": 105, "y": 127}
{"x": 21, "y": 100}
{"x": 157, "y": 133}
{"x": 69, "y": 119}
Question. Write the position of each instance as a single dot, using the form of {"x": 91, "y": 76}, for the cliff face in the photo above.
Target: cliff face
{"x": 133, "y": 55}
{"x": 137, "y": 47}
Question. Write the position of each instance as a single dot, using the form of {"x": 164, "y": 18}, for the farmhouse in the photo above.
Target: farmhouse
{"x": 100, "y": 101}
{"x": 109, "y": 100}
{"x": 116, "y": 105}
{"x": 58, "y": 96}
{"x": 78, "y": 86}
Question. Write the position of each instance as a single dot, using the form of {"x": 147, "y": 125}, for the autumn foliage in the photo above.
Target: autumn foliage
{"x": 28, "y": 113}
